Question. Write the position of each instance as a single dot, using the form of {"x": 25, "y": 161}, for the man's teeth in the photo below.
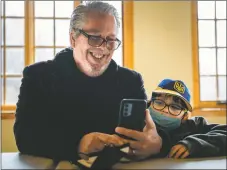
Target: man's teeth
{"x": 99, "y": 56}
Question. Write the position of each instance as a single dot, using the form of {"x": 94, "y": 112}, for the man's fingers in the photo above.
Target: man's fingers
{"x": 110, "y": 139}
{"x": 149, "y": 121}
{"x": 130, "y": 133}
{"x": 121, "y": 139}
{"x": 135, "y": 145}
{"x": 98, "y": 145}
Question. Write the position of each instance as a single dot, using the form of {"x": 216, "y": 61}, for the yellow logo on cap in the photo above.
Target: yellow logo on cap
{"x": 179, "y": 87}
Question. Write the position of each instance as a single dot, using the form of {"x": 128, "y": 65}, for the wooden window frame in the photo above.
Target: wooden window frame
{"x": 195, "y": 62}
{"x": 7, "y": 111}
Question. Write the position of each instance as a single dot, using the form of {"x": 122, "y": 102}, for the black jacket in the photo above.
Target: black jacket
{"x": 58, "y": 105}
{"x": 201, "y": 139}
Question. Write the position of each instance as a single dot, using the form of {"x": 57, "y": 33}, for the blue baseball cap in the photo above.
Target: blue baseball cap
{"x": 176, "y": 88}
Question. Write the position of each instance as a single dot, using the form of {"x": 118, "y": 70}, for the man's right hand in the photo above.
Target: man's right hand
{"x": 95, "y": 141}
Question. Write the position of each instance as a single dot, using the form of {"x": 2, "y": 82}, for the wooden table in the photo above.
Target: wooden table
{"x": 18, "y": 161}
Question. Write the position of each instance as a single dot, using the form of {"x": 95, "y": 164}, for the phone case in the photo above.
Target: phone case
{"x": 132, "y": 114}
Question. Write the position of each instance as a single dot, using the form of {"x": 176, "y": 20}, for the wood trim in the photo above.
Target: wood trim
{"x": 128, "y": 34}
{"x": 76, "y": 3}
{"x": 11, "y": 75}
{"x": 8, "y": 112}
{"x": 209, "y": 112}
{"x": 8, "y": 107}
{"x": 195, "y": 57}
{"x": 7, "y": 116}
{"x": 29, "y": 32}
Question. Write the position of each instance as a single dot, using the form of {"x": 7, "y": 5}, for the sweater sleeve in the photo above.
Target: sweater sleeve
{"x": 209, "y": 139}
{"x": 37, "y": 131}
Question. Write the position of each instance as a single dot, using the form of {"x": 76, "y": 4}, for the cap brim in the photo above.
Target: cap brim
{"x": 189, "y": 107}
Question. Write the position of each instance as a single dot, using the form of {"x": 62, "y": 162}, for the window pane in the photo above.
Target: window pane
{"x": 117, "y": 56}
{"x": 206, "y": 9}
{"x": 58, "y": 50}
{"x": 44, "y": 54}
{"x": 64, "y": 8}
{"x": 2, "y": 61}
{"x": 14, "y": 31}
{"x": 208, "y": 89}
{"x": 222, "y": 88}
{"x": 14, "y": 60}
{"x": 117, "y": 5}
{"x": 14, "y": 8}
{"x": 206, "y": 33}
{"x": 221, "y": 33}
{"x": 44, "y": 8}
{"x": 12, "y": 90}
{"x": 2, "y": 8}
{"x": 2, "y": 32}
{"x": 221, "y": 9}
{"x": 207, "y": 61}
{"x": 44, "y": 34}
{"x": 62, "y": 32}
{"x": 2, "y": 89}
{"x": 221, "y": 61}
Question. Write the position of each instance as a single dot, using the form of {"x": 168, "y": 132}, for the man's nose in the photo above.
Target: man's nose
{"x": 104, "y": 45}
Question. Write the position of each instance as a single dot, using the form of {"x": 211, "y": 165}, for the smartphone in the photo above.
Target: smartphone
{"x": 132, "y": 114}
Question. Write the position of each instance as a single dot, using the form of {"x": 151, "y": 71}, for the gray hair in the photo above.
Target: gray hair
{"x": 78, "y": 17}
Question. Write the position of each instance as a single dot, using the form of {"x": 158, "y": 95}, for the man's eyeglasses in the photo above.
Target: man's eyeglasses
{"x": 174, "y": 109}
{"x": 97, "y": 41}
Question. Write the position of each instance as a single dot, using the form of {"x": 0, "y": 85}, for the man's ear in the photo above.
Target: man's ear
{"x": 72, "y": 40}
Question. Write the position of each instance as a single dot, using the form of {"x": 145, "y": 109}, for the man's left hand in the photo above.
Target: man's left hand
{"x": 146, "y": 143}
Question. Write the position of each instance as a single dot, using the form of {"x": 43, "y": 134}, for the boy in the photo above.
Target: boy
{"x": 170, "y": 109}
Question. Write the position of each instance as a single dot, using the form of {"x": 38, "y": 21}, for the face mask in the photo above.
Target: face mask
{"x": 167, "y": 123}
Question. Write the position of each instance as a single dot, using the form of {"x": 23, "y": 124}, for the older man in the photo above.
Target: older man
{"x": 70, "y": 105}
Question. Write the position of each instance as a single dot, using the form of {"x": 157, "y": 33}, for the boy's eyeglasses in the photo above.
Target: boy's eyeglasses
{"x": 174, "y": 109}
{"x": 97, "y": 41}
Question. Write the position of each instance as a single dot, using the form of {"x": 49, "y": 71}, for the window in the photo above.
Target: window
{"x": 210, "y": 53}
{"x": 13, "y": 49}
{"x": 32, "y": 32}
{"x": 51, "y": 19}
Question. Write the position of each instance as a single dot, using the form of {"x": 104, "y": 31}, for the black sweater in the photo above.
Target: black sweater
{"x": 58, "y": 105}
{"x": 201, "y": 138}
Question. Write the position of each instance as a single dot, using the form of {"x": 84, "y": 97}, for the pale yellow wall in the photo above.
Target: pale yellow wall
{"x": 162, "y": 32}
{"x": 8, "y": 142}
{"x": 162, "y": 46}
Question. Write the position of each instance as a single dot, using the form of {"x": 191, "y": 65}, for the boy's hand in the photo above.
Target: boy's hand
{"x": 178, "y": 151}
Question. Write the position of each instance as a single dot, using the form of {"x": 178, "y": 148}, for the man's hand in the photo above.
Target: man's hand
{"x": 147, "y": 142}
{"x": 178, "y": 151}
{"x": 94, "y": 142}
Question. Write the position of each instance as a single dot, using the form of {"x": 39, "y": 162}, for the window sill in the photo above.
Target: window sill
{"x": 209, "y": 112}
{"x": 9, "y": 114}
